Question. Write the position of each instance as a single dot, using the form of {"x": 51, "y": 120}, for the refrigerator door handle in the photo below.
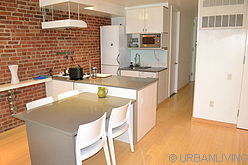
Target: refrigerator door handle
{"x": 118, "y": 72}
{"x": 117, "y": 58}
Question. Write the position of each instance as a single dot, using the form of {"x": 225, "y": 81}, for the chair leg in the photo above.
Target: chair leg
{"x": 130, "y": 134}
{"x": 112, "y": 150}
{"x": 106, "y": 151}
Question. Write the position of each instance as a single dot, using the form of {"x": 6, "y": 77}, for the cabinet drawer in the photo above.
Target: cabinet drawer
{"x": 130, "y": 73}
{"x": 148, "y": 75}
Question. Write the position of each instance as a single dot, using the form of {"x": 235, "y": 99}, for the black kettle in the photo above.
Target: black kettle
{"x": 76, "y": 73}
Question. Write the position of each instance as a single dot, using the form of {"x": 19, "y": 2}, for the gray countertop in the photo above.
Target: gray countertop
{"x": 117, "y": 81}
{"x": 66, "y": 115}
{"x": 152, "y": 69}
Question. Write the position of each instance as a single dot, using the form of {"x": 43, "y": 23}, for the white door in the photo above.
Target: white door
{"x": 108, "y": 69}
{"x": 135, "y": 20}
{"x": 154, "y": 18}
{"x": 192, "y": 77}
{"x": 243, "y": 109}
{"x": 109, "y": 44}
{"x": 175, "y": 29}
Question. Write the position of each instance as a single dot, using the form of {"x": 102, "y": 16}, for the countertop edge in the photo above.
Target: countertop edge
{"x": 144, "y": 70}
{"x": 115, "y": 86}
{"x": 44, "y": 125}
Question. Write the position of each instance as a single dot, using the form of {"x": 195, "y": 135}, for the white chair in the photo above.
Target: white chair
{"x": 38, "y": 103}
{"x": 90, "y": 139}
{"x": 68, "y": 94}
{"x": 119, "y": 123}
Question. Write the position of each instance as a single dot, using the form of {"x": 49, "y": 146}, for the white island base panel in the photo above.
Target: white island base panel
{"x": 143, "y": 113}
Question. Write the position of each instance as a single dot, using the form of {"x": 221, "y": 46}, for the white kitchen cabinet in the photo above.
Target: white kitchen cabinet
{"x": 148, "y": 74}
{"x": 55, "y": 87}
{"x": 146, "y": 110}
{"x": 163, "y": 85}
{"x": 155, "y": 20}
{"x": 135, "y": 21}
{"x": 147, "y": 20}
{"x": 162, "y": 81}
{"x": 129, "y": 73}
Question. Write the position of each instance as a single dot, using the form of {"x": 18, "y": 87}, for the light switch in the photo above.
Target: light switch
{"x": 211, "y": 104}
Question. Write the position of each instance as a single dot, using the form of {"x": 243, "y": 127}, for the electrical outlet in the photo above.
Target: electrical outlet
{"x": 211, "y": 104}
{"x": 229, "y": 76}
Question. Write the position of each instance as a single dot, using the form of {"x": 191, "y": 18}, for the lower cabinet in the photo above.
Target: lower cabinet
{"x": 162, "y": 81}
{"x": 146, "y": 110}
{"x": 56, "y": 87}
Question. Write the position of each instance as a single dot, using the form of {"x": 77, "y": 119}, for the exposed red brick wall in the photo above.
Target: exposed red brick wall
{"x": 23, "y": 42}
{"x": 23, "y": 96}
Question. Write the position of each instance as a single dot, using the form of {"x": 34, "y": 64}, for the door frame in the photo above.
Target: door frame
{"x": 242, "y": 122}
{"x": 173, "y": 8}
{"x": 192, "y": 76}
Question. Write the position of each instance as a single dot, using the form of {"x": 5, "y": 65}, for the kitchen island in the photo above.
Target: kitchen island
{"x": 52, "y": 128}
{"x": 144, "y": 91}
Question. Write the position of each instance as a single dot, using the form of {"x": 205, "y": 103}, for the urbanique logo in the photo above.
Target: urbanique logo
{"x": 208, "y": 158}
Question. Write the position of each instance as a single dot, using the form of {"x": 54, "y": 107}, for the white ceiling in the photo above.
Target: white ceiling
{"x": 128, "y": 3}
{"x": 189, "y": 5}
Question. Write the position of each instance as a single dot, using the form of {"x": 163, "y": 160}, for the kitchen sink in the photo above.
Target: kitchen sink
{"x": 141, "y": 67}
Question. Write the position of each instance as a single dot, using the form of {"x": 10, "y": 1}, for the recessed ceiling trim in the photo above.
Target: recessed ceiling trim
{"x": 150, "y": 5}
{"x": 96, "y": 5}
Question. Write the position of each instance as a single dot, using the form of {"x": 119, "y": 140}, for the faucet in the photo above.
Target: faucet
{"x": 137, "y": 57}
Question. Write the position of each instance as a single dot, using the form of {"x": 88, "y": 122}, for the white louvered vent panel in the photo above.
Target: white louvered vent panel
{"x": 223, "y": 21}
{"x": 213, "y": 3}
{"x": 223, "y": 14}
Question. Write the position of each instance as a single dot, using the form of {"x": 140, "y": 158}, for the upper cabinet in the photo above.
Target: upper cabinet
{"x": 135, "y": 21}
{"x": 147, "y": 20}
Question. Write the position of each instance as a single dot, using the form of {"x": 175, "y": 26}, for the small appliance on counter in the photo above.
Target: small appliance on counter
{"x": 102, "y": 92}
{"x": 94, "y": 72}
{"x": 131, "y": 65}
{"x": 76, "y": 73}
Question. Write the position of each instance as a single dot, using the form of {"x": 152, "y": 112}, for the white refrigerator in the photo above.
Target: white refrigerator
{"x": 113, "y": 49}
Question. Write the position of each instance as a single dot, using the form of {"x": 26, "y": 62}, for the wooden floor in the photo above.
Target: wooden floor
{"x": 174, "y": 134}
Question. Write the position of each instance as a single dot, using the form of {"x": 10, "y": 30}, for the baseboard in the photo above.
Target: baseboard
{"x": 223, "y": 124}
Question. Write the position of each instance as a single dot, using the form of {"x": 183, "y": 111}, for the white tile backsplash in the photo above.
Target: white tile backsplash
{"x": 154, "y": 58}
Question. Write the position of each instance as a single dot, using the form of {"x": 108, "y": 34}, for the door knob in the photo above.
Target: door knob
{"x": 176, "y": 63}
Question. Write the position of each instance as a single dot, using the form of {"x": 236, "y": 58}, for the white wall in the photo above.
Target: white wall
{"x": 219, "y": 63}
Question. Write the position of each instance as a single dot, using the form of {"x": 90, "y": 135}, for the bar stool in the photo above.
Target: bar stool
{"x": 119, "y": 123}
{"x": 38, "y": 103}
{"x": 90, "y": 139}
{"x": 67, "y": 94}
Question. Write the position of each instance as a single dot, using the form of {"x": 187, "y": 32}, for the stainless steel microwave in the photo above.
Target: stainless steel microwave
{"x": 150, "y": 41}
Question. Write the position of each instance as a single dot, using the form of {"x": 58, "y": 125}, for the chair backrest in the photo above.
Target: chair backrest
{"x": 38, "y": 103}
{"x": 68, "y": 94}
{"x": 119, "y": 115}
{"x": 91, "y": 132}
